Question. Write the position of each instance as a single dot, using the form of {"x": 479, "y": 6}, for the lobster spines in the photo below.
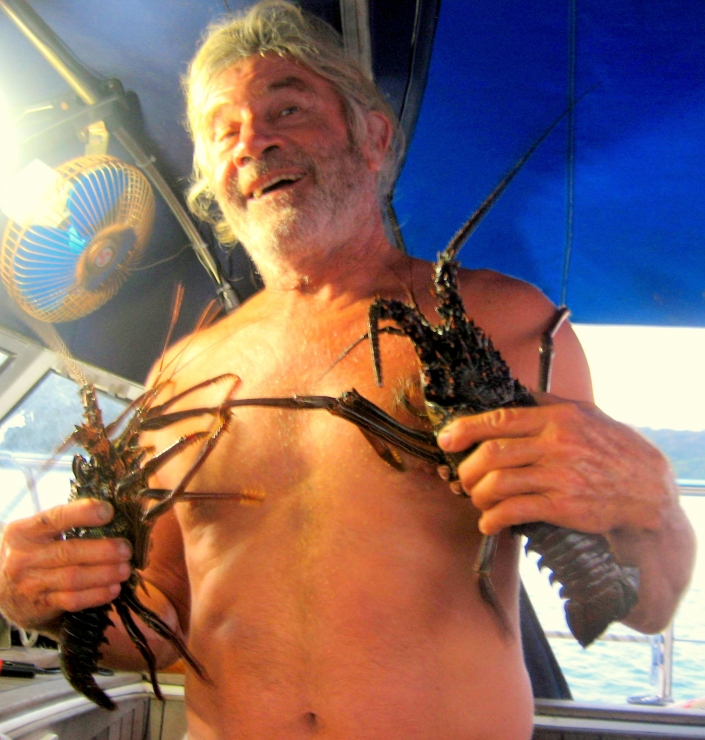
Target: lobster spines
{"x": 467, "y": 374}
{"x": 80, "y": 638}
{"x": 445, "y": 278}
{"x": 409, "y": 320}
{"x": 598, "y": 590}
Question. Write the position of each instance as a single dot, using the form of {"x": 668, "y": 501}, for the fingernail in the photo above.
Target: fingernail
{"x": 444, "y": 438}
{"x": 443, "y": 472}
{"x": 457, "y": 487}
{"x": 105, "y": 511}
{"x": 124, "y": 549}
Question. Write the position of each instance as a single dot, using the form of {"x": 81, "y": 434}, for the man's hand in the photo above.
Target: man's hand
{"x": 564, "y": 463}
{"x": 42, "y": 575}
{"x": 569, "y": 464}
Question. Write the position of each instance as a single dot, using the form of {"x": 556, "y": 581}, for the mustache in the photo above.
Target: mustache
{"x": 270, "y": 161}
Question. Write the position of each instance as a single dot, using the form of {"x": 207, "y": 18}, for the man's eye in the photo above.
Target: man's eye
{"x": 288, "y": 111}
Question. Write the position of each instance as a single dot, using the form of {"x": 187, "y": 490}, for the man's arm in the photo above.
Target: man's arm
{"x": 568, "y": 464}
{"x": 42, "y": 576}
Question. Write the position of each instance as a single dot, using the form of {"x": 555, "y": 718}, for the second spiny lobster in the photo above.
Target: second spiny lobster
{"x": 462, "y": 373}
{"x": 115, "y": 469}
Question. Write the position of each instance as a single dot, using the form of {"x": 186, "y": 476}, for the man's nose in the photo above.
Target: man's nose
{"x": 255, "y": 137}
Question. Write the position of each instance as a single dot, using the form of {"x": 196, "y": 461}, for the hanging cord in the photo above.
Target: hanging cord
{"x": 395, "y": 227}
{"x": 424, "y": 29}
{"x": 570, "y": 174}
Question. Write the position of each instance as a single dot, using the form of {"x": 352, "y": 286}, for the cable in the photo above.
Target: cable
{"x": 570, "y": 174}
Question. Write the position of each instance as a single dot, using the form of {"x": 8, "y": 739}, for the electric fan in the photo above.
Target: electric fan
{"x": 74, "y": 251}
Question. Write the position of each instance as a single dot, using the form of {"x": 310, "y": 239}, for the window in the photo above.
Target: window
{"x": 40, "y": 408}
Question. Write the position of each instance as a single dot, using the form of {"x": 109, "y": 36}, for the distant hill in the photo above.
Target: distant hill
{"x": 685, "y": 450}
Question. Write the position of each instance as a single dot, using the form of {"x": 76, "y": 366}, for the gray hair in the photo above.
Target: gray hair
{"x": 281, "y": 28}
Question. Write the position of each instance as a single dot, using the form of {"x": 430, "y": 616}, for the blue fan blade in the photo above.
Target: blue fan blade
{"x": 93, "y": 197}
{"x": 45, "y": 264}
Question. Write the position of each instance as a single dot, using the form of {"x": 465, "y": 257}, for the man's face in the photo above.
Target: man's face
{"x": 287, "y": 175}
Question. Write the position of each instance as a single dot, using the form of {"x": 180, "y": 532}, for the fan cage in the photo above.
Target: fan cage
{"x": 100, "y": 211}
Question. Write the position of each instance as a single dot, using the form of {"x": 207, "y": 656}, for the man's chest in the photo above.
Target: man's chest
{"x": 265, "y": 446}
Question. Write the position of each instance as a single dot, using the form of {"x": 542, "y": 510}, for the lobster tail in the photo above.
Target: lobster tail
{"x": 598, "y": 590}
{"x": 81, "y": 637}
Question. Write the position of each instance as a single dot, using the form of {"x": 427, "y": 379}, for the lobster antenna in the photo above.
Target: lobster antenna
{"x": 177, "y": 300}
{"x": 461, "y": 236}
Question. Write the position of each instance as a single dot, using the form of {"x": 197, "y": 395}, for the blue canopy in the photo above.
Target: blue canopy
{"x": 620, "y": 194}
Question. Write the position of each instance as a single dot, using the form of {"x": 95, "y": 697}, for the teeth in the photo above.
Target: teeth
{"x": 257, "y": 193}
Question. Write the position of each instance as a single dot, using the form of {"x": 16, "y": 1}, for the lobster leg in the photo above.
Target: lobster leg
{"x": 140, "y": 642}
{"x": 484, "y": 564}
{"x": 411, "y": 322}
{"x": 156, "y": 623}
{"x": 142, "y": 407}
{"x": 157, "y": 410}
{"x": 350, "y": 406}
{"x": 163, "y": 457}
{"x": 166, "y": 503}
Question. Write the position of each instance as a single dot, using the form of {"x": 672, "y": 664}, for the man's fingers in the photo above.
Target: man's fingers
{"x": 526, "y": 421}
{"x": 77, "y": 552}
{"x": 469, "y": 430}
{"x": 75, "y": 579}
{"x": 499, "y": 454}
{"x": 515, "y": 510}
{"x": 50, "y": 524}
{"x": 75, "y": 601}
{"x": 41, "y": 574}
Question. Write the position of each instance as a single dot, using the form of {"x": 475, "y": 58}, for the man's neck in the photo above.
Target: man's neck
{"x": 361, "y": 266}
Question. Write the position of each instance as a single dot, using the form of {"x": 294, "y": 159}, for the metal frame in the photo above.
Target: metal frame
{"x": 30, "y": 362}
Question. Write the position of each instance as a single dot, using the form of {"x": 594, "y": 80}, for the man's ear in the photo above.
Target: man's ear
{"x": 379, "y": 137}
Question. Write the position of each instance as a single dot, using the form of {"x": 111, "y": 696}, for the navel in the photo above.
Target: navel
{"x": 310, "y": 720}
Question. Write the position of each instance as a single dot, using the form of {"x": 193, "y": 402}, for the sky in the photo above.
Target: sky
{"x": 648, "y": 376}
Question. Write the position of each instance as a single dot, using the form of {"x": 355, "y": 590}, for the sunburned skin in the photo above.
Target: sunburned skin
{"x": 345, "y": 604}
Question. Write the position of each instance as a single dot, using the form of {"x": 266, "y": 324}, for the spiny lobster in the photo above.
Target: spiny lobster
{"x": 462, "y": 374}
{"x": 116, "y": 471}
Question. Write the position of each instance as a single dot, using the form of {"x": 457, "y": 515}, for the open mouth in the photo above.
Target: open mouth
{"x": 278, "y": 182}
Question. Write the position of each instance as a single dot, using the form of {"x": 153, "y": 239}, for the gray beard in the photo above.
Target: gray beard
{"x": 289, "y": 224}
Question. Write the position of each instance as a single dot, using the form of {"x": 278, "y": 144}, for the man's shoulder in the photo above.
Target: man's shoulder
{"x": 490, "y": 296}
{"x": 491, "y": 280}
{"x": 488, "y": 290}
{"x": 185, "y": 357}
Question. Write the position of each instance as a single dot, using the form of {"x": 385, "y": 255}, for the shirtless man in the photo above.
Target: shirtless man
{"x": 343, "y": 605}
